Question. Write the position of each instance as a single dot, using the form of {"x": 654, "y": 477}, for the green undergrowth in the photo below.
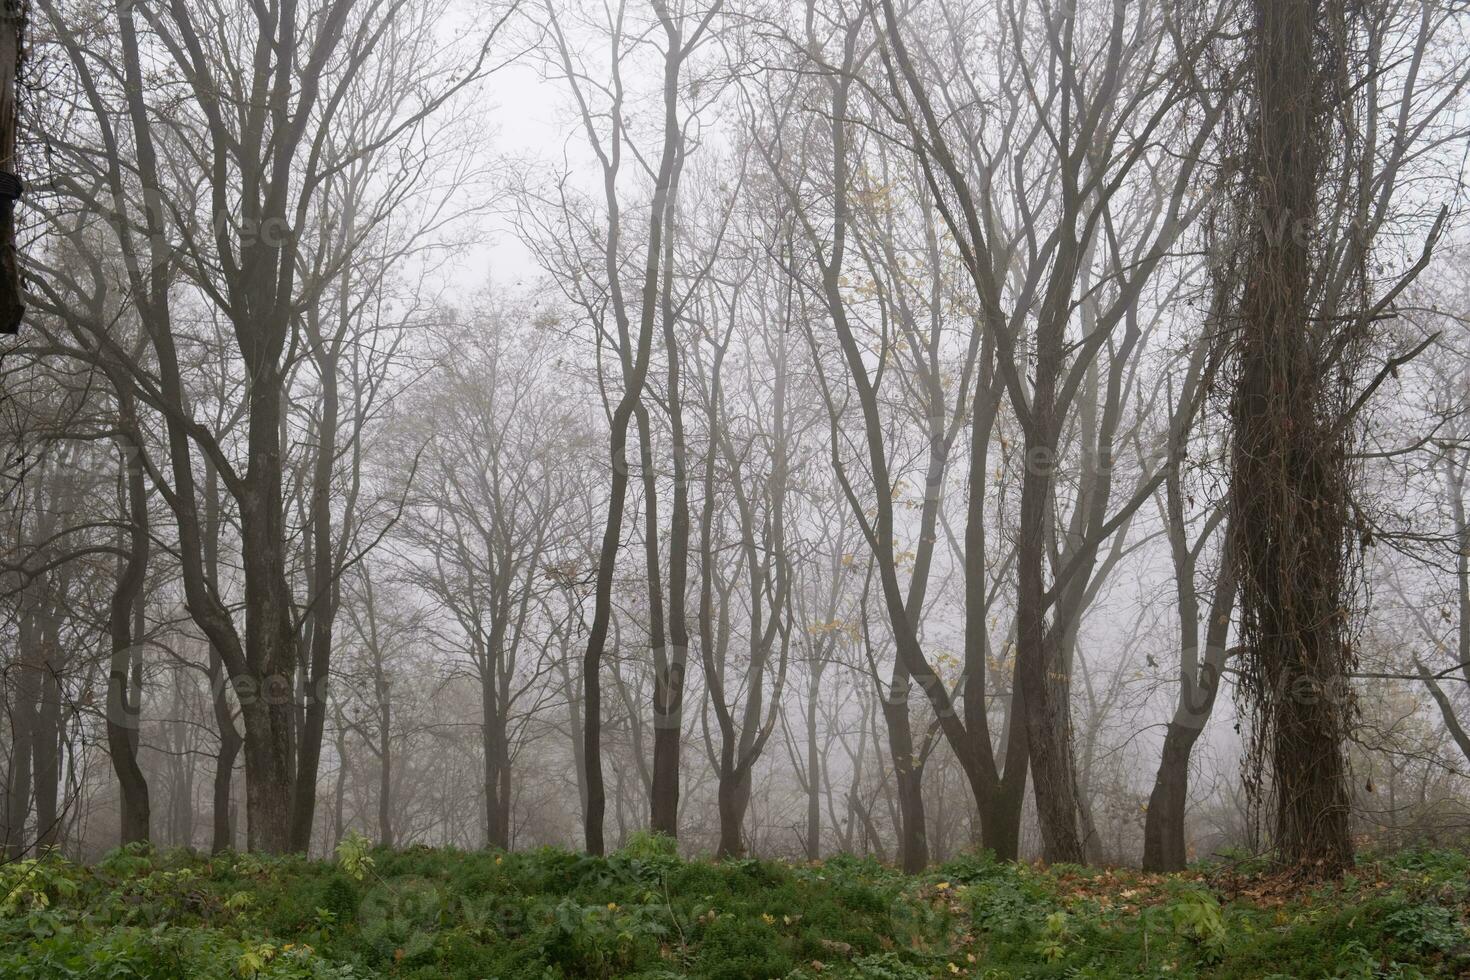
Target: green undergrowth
{"x": 643, "y": 912}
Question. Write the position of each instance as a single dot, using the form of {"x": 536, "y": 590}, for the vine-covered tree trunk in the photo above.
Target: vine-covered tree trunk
{"x": 1290, "y": 484}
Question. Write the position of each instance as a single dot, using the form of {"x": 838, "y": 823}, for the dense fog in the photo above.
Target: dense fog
{"x": 797, "y": 427}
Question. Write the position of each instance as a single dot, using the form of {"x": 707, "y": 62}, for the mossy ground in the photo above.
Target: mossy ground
{"x": 644, "y": 913}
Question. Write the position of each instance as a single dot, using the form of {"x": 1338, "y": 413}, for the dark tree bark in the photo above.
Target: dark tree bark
{"x": 497, "y": 771}
{"x": 1200, "y": 668}
{"x": 635, "y": 354}
{"x": 671, "y": 661}
{"x": 222, "y": 835}
{"x": 1289, "y": 516}
{"x": 1164, "y": 846}
{"x": 1041, "y": 367}
{"x": 126, "y": 624}
{"x": 908, "y": 770}
{"x": 12, "y": 47}
{"x": 760, "y": 524}
{"x": 324, "y": 574}
{"x": 18, "y": 781}
{"x": 997, "y": 784}
{"x": 386, "y": 836}
{"x": 46, "y": 743}
{"x": 815, "y": 768}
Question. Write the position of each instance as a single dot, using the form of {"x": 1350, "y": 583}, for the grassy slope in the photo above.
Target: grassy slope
{"x": 644, "y": 913}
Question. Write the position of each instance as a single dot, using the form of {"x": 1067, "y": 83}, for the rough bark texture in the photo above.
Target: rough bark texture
{"x": 1290, "y": 477}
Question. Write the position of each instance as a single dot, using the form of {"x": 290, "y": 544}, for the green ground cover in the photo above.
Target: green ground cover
{"x": 642, "y": 912}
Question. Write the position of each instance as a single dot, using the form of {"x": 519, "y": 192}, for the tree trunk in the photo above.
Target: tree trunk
{"x": 497, "y": 830}
{"x": 998, "y": 792}
{"x": 12, "y": 302}
{"x": 733, "y": 796}
{"x": 266, "y": 693}
{"x": 225, "y": 755}
{"x": 1000, "y": 810}
{"x": 25, "y": 686}
{"x": 323, "y": 575}
{"x": 339, "y": 798}
{"x": 126, "y": 625}
{"x": 267, "y": 781}
{"x": 813, "y": 768}
{"x": 230, "y": 743}
{"x": 46, "y": 743}
{"x": 596, "y": 808}
{"x": 1163, "y": 828}
{"x": 913, "y": 836}
{"x": 1290, "y": 507}
{"x": 1040, "y": 669}
{"x": 671, "y": 663}
{"x": 223, "y": 831}
{"x": 18, "y": 787}
{"x": 385, "y": 760}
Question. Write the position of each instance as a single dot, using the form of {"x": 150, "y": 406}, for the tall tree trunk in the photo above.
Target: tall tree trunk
{"x": 908, "y": 770}
{"x": 635, "y": 362}
{"x": 1289, "y": 476}
{"x": 1041, "y": 670}
{"x": 497, "y": 832}
{"x": 339, "y": 796}
{"x": 813, "y": 767}
{"x": 25, "y": 688}
{"x": 18, "y": 787}
{"x": 47, "y": 746}
{"x": 1164, "y": 847}
{"x": 230, "y": 743}
{"x": 385, "y": 763}
{"x": 998, "y": 786}
{"x": 126, "y": 625}
{"x": 323, "y": 570}
{"x": 222, "y": 835}
{"x": 267, "y": 692}
{"x": 671, "y": 662}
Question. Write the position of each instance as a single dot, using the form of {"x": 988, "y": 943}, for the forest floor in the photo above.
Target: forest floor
{"x": 644, "y": 913}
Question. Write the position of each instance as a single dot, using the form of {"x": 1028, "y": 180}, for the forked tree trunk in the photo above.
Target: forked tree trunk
{"x": 733, "y": 797}
{"x": 1164, "y": 845}
{"x": 1000, "y": 805}
{"x": 671, "y": 662}
{"x": 1041, "y": 672}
